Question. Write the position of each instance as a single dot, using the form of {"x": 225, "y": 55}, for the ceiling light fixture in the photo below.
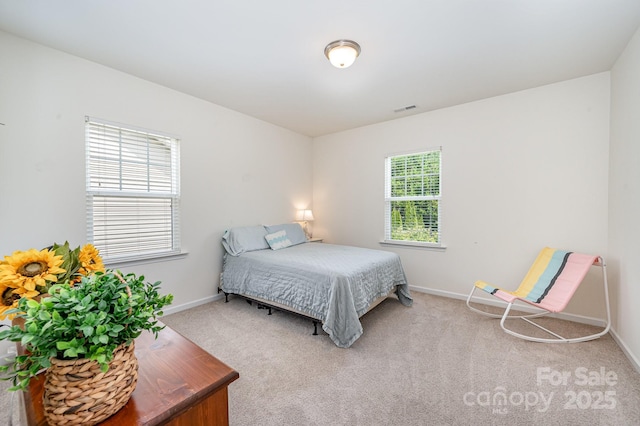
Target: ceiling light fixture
{"x": 342, "y": 53}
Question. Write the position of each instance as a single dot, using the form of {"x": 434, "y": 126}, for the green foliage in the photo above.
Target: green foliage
{"x": 396, "y": 219}
{"x": 411, "y": 220}
{"x": 88, "y": 320}
{"x": 71, "y": 262}
{"x": 418, "y": 221}
{"x": 415, "y": 179}
{"x": 416, "y": 175}
{"x": 422, "y": 235}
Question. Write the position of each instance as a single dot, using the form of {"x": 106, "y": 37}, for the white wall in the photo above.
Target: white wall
{"x": 520, "y": 171}
{"x": 624, "y": 197}
{"x": 236, "y": 170}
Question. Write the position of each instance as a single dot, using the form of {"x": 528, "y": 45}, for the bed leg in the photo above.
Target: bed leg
{"x": 267, "y": 307}
{"x": 315, "y": 328}
{"x": 226, "y": 297}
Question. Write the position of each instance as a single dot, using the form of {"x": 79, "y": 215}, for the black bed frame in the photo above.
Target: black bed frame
{"x": 270, "y": 308}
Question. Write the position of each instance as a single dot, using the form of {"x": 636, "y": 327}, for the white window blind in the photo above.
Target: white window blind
{"x": 133, "y": 191}
{"x": 413, "y": 197}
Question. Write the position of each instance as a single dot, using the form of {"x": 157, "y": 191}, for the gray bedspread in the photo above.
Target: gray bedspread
{"x": 333, "y": 283}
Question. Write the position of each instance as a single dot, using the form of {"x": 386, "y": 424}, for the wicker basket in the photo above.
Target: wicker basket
{"x": 76, "y": 392}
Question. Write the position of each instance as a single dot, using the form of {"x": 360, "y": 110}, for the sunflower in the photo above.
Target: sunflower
{"x": 90, "y": 260}
{"x": 10, "y": 298}
{"x": 29, "y": 269}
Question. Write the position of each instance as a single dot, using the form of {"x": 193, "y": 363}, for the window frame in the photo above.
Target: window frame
{"x": 138, "y": 190}
{"x": 388, "y": 199}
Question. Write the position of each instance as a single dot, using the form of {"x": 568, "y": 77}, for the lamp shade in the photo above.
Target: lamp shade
{"x": 304, "y": 215}
{"x": 342, "y": 53}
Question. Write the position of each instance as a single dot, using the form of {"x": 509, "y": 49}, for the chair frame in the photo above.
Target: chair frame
{"x": 527, "y": 318}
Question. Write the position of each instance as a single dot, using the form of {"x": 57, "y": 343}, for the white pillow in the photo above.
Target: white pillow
{"x": 278, "y": 240}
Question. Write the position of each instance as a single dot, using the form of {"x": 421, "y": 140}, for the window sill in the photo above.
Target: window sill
{"x": 413, "y": 244}
{"x": 141, "y": 260}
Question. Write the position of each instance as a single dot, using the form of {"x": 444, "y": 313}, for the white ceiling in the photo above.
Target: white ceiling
{"x": 265, "y": 58}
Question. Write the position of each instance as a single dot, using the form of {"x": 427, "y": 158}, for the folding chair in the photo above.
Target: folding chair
{"x": 549, "y": 285}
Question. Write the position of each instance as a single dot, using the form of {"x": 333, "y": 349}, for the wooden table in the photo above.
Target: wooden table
{"x": 179, "y": 384}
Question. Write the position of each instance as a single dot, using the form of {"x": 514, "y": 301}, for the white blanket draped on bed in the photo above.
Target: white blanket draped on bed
{"x": 335, "y": 284}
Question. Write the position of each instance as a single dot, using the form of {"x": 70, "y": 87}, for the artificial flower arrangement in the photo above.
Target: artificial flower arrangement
{"x": 68, "y": 307}
{"x": 28, "y": 274}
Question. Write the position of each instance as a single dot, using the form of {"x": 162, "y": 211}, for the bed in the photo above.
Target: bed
{"x": 332, "y": 284}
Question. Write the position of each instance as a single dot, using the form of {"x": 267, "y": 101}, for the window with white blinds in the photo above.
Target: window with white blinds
{"x": 413, "y": 196}
{"x": 133, "y": 191}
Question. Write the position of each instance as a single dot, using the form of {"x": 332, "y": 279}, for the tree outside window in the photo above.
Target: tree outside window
{"x": 412, "y": 197}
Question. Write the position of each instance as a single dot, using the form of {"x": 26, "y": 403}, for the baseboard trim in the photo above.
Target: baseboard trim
{"x": 598, "y": 322}
{"x": 569, "y": 317}
{"x": 183, "y": 307}
{"x": 625, "y": 349}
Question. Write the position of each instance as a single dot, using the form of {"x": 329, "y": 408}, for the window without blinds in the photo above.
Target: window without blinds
{"x": 133, "y": 191}
{"x": 412, "y": 197}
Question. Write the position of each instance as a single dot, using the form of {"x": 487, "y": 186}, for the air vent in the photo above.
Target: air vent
{"x": 406, "y": 108}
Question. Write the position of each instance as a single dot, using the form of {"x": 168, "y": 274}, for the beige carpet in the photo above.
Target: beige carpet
{"x": 435, "y": 363}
